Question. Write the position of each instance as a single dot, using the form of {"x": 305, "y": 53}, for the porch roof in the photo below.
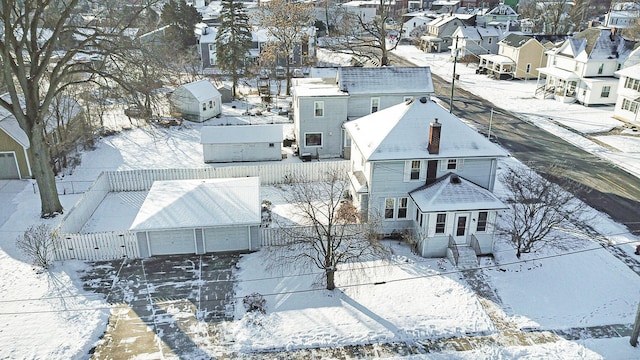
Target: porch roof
{"x": 454, "y": 193}
{"x": 559, "y": 73}
{"x": 497, "y": 59}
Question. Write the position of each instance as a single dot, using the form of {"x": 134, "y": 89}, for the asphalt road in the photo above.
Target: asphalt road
{"x": 597, "y": 182}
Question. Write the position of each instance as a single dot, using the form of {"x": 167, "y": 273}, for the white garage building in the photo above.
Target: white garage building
{"x": 199, "y": 216}
{"x": 241, "y": 143}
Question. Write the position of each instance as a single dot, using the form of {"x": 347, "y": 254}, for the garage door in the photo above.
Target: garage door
{"x": 226, "y": 239}
{"x": 8, "y": 166}
{"x": 171, "y": 242}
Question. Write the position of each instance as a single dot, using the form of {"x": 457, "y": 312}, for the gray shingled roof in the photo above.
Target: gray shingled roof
{"x": 388, "y": 80}
{"x": 515, "y": 40}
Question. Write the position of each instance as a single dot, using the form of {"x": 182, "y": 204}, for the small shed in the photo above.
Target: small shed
{"x": 199, "y": 216}
{"x": 197, "y": 101}
{"x": 226, "y": 93}
{"x": 241, "y": 143}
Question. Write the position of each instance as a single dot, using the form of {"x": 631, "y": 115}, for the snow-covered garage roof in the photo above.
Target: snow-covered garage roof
{"x": 201, "y": 203}
{"x": 241, "y": 134}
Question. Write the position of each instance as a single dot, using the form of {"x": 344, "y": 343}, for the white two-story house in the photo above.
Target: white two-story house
{"x": 322, "y": 105}
{"x": 583, "y": 68}
{"x": 417, "y": 167}
{"x": 628, "y": 103}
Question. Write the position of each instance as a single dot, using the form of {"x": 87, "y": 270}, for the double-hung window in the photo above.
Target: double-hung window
{"x": 389, "y": 208}
{"x": 375, "y": 104}
{"x": 441, "y": 220}
{"x": 605, "y": 91}
{"x": 482, "y": 221}
{"x": 415, "y": 170}
{"x": 318, "y": 108}
{"x": 402, "y": 207}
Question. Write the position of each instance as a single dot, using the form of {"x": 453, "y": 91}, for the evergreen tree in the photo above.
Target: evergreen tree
{"x": 182, "y": 18}
{"x": 233, "y": 40}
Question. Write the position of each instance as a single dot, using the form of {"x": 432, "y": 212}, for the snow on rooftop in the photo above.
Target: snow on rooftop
{"x": 454, "y": 193}
{"x": 241, "y": 134}
{"x": 202, "y": 89}
{"x": 401, "y": 132}
{"x": 177, "y": 204}
{"x": 390, "y": 80}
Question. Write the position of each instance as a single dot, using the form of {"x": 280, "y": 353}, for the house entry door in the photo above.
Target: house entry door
{"x": 460, "y": 230}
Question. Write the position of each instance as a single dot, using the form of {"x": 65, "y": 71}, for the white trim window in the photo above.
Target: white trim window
{"x": 483, "y": 217}
{"x": 633, "y": 84}
{"x": 403, "y": 205}
{"x": 375, "y": 104}
{"x": 441, "y": 222}
{"x": 414, "y": 170}
{"x": 318, "y": 108}
{"x": 606, "y": 90}
{"x": 630, "y": 105}
{"x": 451, "y": 165}
{"x": 389, "y": 208}
{"x": 313, "y": 139}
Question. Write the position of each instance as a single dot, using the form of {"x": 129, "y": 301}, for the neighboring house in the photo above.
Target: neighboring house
{"x": 206, "y": 43}
{"x": 416, "y": 167}
{"x": 475, "y": 40}
{"x": 15, "y": 158}
{"x": 440, "y": 31}
{"x": 628, "y": 101}
{"x": 322, "y": 105}
{"x": 199, "y": 216}
{"x": 415, "y": 22}
{"x": 622, "y": 15}
{"x": 241, "y": 143}
{"x": 197, "y": 101}
{"x": 64, "y": 131}
{"x": 502, "y": 16}
{"x": 305, "y": 49}
{"x": 519, "y": 57}
{"x": 582, "y": 68}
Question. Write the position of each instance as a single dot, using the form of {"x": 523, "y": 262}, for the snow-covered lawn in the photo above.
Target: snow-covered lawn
{"x": 50, "y": 316}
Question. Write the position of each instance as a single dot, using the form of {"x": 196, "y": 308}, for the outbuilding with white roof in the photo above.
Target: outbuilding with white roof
{"x": 241, "y": 143}
{"x": 199, "y": 216}
{"x": 197, "y": 101}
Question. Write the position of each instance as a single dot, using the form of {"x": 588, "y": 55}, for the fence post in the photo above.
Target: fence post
{"x": 636, "y": 329}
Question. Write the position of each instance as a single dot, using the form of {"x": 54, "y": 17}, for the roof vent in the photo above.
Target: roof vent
{"x": 423, "y": 100}
{"x": 455, "y": 179}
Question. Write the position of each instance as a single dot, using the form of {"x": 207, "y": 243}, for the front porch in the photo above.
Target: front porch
{"x": 496, "y": 66}
{"x": 556, "y": 84}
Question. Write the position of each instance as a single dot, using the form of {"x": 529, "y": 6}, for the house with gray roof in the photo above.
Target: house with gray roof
{"x": 418, "y": 168}
{"x": 582, "y": 68}
{"x": 440, "y": 30}
{"x": 518, "y": 57}
{"x": 322, "y": 105}
{"x": 476, "y": 40}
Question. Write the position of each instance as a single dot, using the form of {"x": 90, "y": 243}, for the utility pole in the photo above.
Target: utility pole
{"x": 453, "y": 81}
{"x": 636, "y": 329}
{"x": 490, "y": 121}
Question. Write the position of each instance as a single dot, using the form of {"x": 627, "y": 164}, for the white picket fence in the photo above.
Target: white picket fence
{"x": 277, "y": 173}
{"x": 115, "y": 245}
{"x": 97, "y": 246}
{"x": 278, "y": 236}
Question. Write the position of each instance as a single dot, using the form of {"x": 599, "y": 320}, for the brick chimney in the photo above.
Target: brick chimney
{"x": 435, "y": 129}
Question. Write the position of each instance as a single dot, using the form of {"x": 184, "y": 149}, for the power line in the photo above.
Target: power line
{"x": 373, "y": 283}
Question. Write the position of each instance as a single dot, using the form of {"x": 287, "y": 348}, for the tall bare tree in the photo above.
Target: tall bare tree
{"x": 329, "y": 235}
{"x": 366, "y": 38}
{"x": 538, "y": 209}
{"x": 288, "y": 24}
{"x": 42, "y": 42}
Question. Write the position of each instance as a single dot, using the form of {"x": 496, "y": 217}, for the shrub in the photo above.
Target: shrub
{"x": 255, "y": 302}
{"x": 39, "y": 243}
